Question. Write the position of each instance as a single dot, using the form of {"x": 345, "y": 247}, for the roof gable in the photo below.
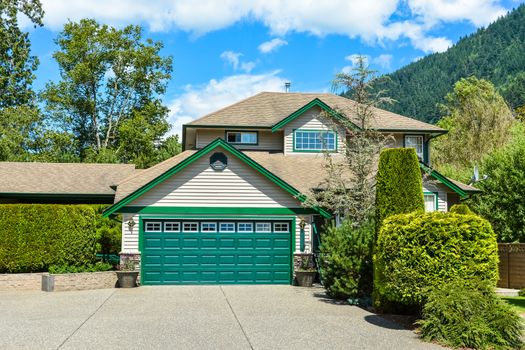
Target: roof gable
{"x": 195, "y": 156}
{"x": 461, "y": 189}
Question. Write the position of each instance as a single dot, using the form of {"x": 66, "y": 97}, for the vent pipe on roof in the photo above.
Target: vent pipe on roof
{"x": 287, "y": 86}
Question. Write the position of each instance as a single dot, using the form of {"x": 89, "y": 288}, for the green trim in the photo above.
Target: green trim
{"x": 141, "y": 248}
{"x": 435, "y": 198}
{"x": 242, "y": 143}
{"x": 194, "y": 157}
{"x": 301, "y": 240}
{"x": 432, "y": 132}
{"x": 314, "y": 103}
{"x": 445, "y": 181}
{"x": 295, "y": 150}
{"x": 217, "y": 210}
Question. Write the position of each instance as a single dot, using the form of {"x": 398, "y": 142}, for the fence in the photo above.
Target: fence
{"x": 511, "y": 265}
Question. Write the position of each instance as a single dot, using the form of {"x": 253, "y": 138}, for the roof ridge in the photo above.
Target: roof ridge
{"x": 71, "y": 163}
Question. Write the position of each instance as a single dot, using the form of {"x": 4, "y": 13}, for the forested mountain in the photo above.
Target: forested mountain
{"x": 495, "y": 53}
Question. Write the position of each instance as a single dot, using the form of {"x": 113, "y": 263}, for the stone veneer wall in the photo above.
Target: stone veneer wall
{"x": 84, "y": 281}
{"x": 20, "y": 281}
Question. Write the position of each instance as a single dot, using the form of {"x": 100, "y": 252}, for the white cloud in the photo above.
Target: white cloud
{"x": 233, "y": 58}
{"x": 197, "y": 101}
{"x": 354, "y": 58}
{"x": 272, "y": 45}
{"x": 372, "y": 21}
{"x": 383, "y": 61}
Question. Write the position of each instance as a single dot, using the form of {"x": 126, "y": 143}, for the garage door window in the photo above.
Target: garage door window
{"x": 227, "y": 227}
{"x": 209, "y": 227}
{"x": 172, "y": 226}
{"x": 153, "y": 227}
{"x": 281, "y": 227}
{"x": 190, "y": 227}
{"x": 245, "y": 227}
{"x": 263, "y": 227}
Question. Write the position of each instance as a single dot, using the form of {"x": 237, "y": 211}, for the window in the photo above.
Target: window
{"x": 263, "y": 227}
{"x": 314, "y": 140}
{"x": 190, "y": 227}
{"x": 227, "y": 227}
{"x": 245, "y": 227}
{"x": 242, "y": 137}
{"x": 153, "y": 226}
{"x": 281, "y": 227}
{"x": 430, "y": 202}
{"x": 415, "y": 141}
{"x": 172, "y": 226}
{"x": 209, "y": 227}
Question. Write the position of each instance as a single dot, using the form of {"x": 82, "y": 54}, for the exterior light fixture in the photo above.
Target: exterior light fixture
{"x": 131, "y": 224}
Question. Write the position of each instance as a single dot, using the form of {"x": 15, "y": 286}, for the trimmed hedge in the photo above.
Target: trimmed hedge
{"x": 420, "y": 250}
{"x": 399, "y": 187}
{"x": 36, "y": 236}
{"x": 461, "y": 209}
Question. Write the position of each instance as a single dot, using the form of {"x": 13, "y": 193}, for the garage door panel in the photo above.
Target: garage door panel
{"x": 216, "y": 257}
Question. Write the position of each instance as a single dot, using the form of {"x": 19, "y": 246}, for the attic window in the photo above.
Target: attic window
{"x": 241, "y": 137}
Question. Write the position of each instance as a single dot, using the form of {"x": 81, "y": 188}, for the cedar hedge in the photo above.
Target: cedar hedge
{"x": 420, "y": 250}
{"x": 36, "y": 236}
{"x": 461, "y": 209}
{"x": 399, "y": 187}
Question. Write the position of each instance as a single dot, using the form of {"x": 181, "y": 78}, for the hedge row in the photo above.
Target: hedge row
{"x": 36, "y": 236}
{"x": 416, "y": 251}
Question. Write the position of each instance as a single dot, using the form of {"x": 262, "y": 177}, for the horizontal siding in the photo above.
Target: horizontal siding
{"x": 310, "y": 120}
{"x": 268, "y": 141}
{"x": 236, "y": 186}
{"x": 307, "y": 235}
{"x": 130, "y": 239}
{"x": 441, "y": 191}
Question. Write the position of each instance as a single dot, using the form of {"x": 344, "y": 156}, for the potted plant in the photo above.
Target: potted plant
{"x": 127, "y": 275}
{"x": 306, "y": 272}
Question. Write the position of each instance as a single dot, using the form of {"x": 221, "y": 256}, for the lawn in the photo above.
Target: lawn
{"x": 517, "y": 302}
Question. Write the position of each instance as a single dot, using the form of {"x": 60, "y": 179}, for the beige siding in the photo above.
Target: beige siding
{"x": 130, "y": 239}
{"x": 310, "y": 120}
{"x": 268, "y": 140}
{"x": 441, "y": 190}
{"x": 236, "y": 186}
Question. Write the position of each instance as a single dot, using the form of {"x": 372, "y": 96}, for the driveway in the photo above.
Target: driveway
{"x": 193, "y": 317}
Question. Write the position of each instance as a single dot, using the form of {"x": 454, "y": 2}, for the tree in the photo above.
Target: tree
{"x": 503, "y": 191}
{"x": 19, "y": 127}
{"x": 478, "y": 121}
{"x": 108, "y": 95}
{"x": 16, "y": 63}
{"x": 348, "y": 189}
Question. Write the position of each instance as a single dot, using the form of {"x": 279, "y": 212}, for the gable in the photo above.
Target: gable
{"x": 238, "y": 185}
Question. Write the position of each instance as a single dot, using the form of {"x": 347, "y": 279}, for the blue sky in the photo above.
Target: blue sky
{"x": 228, "y": 50}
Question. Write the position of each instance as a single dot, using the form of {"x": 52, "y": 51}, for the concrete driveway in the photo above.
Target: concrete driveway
{"x": 203, "y": 317}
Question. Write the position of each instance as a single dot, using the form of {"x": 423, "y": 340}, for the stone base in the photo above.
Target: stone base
{"x": 20, "y": 281}
{"x": 79, "y": 281}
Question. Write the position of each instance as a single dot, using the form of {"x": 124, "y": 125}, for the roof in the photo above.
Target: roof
{"x": 267, "y": 109}
{"x": 61, "y": 178}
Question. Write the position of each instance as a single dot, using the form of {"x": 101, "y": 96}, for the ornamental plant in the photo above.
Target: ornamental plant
{"x": 416, "y": 251}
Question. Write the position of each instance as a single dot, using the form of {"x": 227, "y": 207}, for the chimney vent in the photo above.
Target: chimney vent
{"x": 287, "y": 86}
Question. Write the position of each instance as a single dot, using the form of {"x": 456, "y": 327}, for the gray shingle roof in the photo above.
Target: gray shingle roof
{"x": 268, "y": 108}
{"x": 61, "y": 178}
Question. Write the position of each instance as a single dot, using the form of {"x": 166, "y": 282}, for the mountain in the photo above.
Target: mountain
{"x": 495, "y": 53}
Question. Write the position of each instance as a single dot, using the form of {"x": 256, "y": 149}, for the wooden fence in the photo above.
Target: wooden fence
{"x": 511, "y": 265}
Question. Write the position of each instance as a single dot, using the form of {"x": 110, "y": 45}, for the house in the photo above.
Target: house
{"x": 63, "y": 183}
{"x": 229, "y": 210}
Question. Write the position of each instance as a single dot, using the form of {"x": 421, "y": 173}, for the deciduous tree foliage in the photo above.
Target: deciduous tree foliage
{"x": 16, "y": 63}
{"x": 478, "y": 121}
{"x": 108, "y": 95}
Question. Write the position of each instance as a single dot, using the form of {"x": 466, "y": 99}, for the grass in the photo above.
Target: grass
{"x": 517, "y": 302}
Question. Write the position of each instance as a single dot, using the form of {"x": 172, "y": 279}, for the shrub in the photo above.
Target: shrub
{"x": 399, "y": 186}
{"x": 461, "y": 209}
{"x": 470, "y": 315}
{"x": 521, "y": 292}
{"x": 108, "y": 232}
{"x": 346, "y": 260}
{"x": 36, "y": 236}
{"x": 99, "y": 266}
{"x": 420, "y": 250}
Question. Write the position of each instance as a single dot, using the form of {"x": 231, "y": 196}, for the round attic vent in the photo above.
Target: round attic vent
{"x": 218, "y": 161}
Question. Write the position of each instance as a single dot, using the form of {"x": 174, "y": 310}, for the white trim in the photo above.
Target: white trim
{"x": 209, "y": 223}
{"x": 281, "y": 223}
{"x": 244, "y": 223}
{"x": 190, "y": 223}
{"x": 263, "y": 223}
{"x": 166, "y": 223}
{"x": 227, "y": 223}
{"x": 153, "y": 223}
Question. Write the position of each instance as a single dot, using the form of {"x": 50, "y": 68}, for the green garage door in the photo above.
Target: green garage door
{"x": 216, "y": 252}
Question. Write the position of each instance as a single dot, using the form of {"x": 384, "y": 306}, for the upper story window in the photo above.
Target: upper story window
{"x": 314, "y": 140}
{"x": 430, "y": 201}
{"x": 417, "y": 142}
{"x": 242, "y": 137}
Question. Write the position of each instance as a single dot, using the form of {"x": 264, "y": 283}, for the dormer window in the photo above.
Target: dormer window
{"x": 314, "y": 141}
{"x": 417, "y": 142}
{"x": 241, "y": 137}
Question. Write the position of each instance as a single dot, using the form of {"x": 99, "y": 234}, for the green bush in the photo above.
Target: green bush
{"x": 470, "y": 315}
{"x": 97, "y": 267}
{"x": 36, "y": 236}
{"x": 420, "y": 250}
{"x": 108, "y": 232}
{"x": 461, "y": 209}
{"x": 399, "y": 186}
{"x": 346, "y": 260}
{"x": 521, "y": 292}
